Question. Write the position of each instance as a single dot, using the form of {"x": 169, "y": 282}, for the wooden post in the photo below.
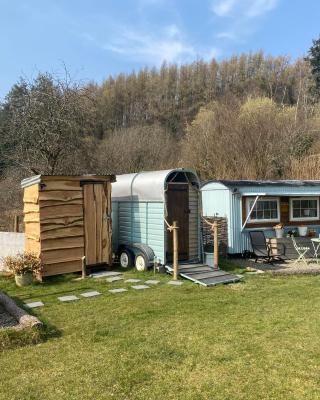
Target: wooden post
{"x": 83, "y": 267}
{"x": 16, "y": 223}
{"x": 175, "y": 250}
{"x": 215, "y": 245}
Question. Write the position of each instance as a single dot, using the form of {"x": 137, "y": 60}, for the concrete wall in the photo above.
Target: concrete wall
{"x": 10, "y": 244}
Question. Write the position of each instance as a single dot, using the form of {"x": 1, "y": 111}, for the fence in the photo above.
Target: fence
{"x": 11, "y": 221}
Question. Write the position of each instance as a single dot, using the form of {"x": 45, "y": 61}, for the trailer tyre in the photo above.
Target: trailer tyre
{"x": 141, "y": 263}
{"x": 126, "y": 259}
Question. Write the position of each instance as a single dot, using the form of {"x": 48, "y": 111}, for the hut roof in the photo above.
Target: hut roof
{"x": 233, "y": 183}
{"x": 149, "y": 185}
{"x": 38, "y": 178}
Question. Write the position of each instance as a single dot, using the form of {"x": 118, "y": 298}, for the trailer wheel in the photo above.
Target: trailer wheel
{"x": 126, "y": 259}
{"x": 140, "y": 263}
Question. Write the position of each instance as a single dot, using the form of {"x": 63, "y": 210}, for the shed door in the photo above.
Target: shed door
{"x": 97, "y": 222}
{"x": 178, "y": 210}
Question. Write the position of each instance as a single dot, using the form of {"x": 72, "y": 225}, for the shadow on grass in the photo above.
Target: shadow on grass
{"x": 11, "y": 338}
{"x": 28, "y": 296}
{"x": 59, "y": 285}
{"x": 231, "y": 265}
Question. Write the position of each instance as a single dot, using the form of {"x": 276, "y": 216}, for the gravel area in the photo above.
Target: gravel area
{"x": 283, "y": 268}
{"x": 6, "y": 320}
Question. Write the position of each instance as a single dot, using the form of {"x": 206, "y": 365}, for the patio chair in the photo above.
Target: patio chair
{"x": 301, "y": 250}
{"x": 262, "y": 250}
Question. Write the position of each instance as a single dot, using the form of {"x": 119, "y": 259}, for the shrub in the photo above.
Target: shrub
{"x": 23, "y": 263}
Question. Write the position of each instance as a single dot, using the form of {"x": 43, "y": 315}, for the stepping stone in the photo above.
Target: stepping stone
{"x": 175, "y": 283}
{"x": 140, "y": 287}
{"x": 90, "y": 294}
{"x": 103, "y": 274}
{"x": 34, "y": 304}
{"x": 118, "y": 290}
{"x": 152, "y": 282}
{"x": 115, "y": 279}
{"x": 255, "y": 272}
{"x": 131, "y": 280}
{"x": 68, "y": 298}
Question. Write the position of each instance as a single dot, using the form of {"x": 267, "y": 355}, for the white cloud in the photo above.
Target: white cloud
{"x": 242, "y": 8}
{"x": 260, "y": 7}
{"x": 172, "y": 31}
{"x": 226, "y": 35}
{"x": 242, "y": 16}
{"x": 223, "y": 8}
{"x": 148, "y": 48}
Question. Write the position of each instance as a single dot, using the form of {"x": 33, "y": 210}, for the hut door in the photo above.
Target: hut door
{"x": 97, "y": 224}
{"x": 178, "y": 210}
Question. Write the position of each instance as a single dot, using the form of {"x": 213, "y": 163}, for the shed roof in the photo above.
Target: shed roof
{"x": 90, "y": 177}
{"x": 266, "y": 188}
{"x": 150, "y": 185}
{"x": 262, "y": 183}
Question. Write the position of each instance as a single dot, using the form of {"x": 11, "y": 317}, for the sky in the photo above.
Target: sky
{"x": 93, "y": 39}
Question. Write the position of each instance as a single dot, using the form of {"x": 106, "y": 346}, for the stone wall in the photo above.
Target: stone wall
{"x": 11, "y": 243}
{"x": 222, "y": 235}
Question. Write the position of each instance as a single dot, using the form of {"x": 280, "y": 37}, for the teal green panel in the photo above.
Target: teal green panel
{"x": 141, "y": 222}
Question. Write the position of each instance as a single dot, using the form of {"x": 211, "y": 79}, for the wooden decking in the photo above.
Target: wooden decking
{"x": 204, "y": 275}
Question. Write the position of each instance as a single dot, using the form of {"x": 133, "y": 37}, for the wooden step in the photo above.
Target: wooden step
{"x": 204, "y": 275}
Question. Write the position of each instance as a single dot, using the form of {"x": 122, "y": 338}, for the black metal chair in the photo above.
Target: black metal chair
{"x": 262, "y": 250}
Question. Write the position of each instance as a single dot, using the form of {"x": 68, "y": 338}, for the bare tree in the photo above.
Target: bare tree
{"x": 44, "y": 124}
{"x": 136, "y": 149}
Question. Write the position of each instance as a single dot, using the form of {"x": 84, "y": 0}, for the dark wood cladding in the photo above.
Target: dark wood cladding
{"x": 284, "y": 214}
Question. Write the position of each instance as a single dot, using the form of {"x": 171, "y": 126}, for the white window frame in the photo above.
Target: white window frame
{"x": 304, "y": 218}
{"x": 258, "y": 221}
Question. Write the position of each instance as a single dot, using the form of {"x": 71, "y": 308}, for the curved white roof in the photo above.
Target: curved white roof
{"x": 149, "y": 185}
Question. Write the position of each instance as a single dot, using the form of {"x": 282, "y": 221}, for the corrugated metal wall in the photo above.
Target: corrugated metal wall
{"x": 139, "y": 222}
{"x": 215, "y": 202}
{"x": 217, "y": 198}
{"x": 241, "y": 239}
{"x": 234, "y": 227}
{"x": 193, "y": 223}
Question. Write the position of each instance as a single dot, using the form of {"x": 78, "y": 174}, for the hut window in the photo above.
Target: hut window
{"x": 265, "y": 210}
{"x": 304, "y": 208}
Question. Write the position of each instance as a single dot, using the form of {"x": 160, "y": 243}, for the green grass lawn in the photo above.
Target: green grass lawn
{"x": 259, "y": 339}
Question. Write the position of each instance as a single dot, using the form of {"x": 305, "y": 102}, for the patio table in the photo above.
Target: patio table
{"x": 290, "y": 251}
{"x": 316, "y": 246}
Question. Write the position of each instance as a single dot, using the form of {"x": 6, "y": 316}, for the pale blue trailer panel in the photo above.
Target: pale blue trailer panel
{"x": 140, "y": 222}
{"x": 115, "y": 226}
{"x": 139, "y": 204}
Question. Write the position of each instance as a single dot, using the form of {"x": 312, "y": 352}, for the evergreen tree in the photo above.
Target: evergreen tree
{"x": 314, "y": 60}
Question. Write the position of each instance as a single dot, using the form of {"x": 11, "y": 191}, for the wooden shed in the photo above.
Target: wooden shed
{"x": 66, "y": 218}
